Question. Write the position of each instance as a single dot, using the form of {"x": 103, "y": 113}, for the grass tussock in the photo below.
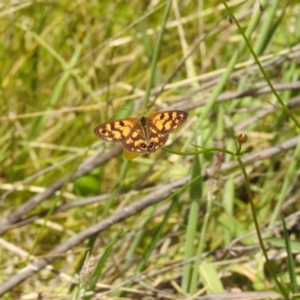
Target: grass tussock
{"x": 214, "y": 213}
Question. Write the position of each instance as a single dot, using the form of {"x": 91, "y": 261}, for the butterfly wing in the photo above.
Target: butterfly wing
{"x": 145, "y": 135}
{"x": 167, "y": 121}
{"x": 137, "y": 143}
{"x": 116, "y": 131}
{"x": 158, "y": 141}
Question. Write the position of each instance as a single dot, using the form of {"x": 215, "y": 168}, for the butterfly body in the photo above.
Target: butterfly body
{"x": 143, "y": 135}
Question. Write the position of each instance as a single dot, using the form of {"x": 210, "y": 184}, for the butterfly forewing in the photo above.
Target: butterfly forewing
{"x": 116, "y": 131}
{"x": 167, "y": 121}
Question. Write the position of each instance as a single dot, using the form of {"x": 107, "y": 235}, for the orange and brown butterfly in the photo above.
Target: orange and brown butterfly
{"x": 142, "y": 135}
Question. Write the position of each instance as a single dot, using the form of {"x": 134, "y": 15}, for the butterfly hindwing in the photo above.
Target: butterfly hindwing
{"x": 136, "y": 143}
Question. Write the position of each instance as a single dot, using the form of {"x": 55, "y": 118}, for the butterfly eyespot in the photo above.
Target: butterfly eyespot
{"x": 143, "y": 145}
{"x": 103, "y": 131}
{"x": 151, "y": 145}
{"x": 178, "y": 118}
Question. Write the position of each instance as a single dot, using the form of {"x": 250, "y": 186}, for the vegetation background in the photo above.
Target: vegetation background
{"x": 78, "y": 221}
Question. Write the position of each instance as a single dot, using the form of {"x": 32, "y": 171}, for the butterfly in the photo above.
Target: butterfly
{"x": 142, "y": 135}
